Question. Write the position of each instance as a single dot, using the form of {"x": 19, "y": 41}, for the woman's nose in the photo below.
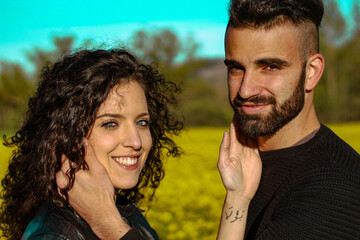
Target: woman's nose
{"x": 132, "y": 138}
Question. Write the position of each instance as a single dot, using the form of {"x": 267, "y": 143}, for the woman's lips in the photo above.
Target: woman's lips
{"x": 127, "y": 162}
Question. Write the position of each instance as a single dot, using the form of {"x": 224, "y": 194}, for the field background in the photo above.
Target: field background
{"x": 189, "y": 200}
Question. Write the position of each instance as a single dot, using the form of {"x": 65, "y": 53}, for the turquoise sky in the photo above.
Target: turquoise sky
{"x": 28, "y": 23}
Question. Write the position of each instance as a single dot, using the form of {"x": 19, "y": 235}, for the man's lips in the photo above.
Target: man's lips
{"x": 253, "y": 108}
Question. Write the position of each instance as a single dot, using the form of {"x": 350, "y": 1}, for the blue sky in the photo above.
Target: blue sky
{"x": 28, "y": 23}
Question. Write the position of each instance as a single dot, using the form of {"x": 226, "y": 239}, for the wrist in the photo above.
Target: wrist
{"x": 111, "y": 227}
{"x": 237, "y": 198}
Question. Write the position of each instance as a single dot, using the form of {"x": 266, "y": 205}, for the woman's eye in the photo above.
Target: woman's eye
{"x": 143, "y": 123}
{"x": 110, "y": 124}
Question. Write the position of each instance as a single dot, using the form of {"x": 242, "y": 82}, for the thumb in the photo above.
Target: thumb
{"x": 62, "y": 178}
{"x": 224, "y": 149}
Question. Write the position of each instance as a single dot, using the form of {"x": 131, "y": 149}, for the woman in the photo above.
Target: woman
{"x": 104, "y": 99}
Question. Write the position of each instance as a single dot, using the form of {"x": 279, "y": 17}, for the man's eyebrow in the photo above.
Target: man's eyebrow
{"x": 277, "y": 61}
{"x": 229, "y": 62}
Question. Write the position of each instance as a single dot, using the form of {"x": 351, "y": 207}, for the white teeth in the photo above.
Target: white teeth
{"x": 127, "y": 161}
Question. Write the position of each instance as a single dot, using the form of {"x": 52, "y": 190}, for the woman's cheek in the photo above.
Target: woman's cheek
{"x": 103, "y": 142}
{"x": 148, "y": 141}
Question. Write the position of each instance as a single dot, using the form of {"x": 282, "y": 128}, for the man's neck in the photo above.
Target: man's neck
{"x": 291, "y": 133}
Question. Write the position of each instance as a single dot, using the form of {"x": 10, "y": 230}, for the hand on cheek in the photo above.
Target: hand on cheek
{"x": 92, "y": 196}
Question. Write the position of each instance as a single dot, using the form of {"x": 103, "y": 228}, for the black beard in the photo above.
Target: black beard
{"x": 279, "y": 115}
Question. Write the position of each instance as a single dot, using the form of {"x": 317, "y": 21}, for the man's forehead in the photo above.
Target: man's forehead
{"x": 278, "y": 42}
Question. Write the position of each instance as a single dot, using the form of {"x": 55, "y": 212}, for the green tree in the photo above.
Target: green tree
{"x": 16, "y": 85}
{"x": 162, "y": 47}
{"x": 337, "y": 98}
{"x": 203, "y": 100}
{"x": 40, "y": 57}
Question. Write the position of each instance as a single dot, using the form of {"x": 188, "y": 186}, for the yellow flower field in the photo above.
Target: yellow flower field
{"x": 189, "y": 200}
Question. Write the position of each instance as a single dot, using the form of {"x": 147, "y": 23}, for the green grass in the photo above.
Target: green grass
{"x": 189, "y": 200}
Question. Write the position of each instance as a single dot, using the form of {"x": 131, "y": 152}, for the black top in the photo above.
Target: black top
{"x": 310, "y": 191}
{"x": 54, "y": 222}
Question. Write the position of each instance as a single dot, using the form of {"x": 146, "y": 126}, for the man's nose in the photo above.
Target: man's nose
{"x": 250, "y": 86}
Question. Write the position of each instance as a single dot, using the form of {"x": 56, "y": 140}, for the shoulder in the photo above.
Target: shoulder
{"x": 323, "y": 181}
{"x": 324, "y": 186}
{"x": 54, "y": 222}
{"x": 339, "y": 153}
{"x": 319, "y": 195}
{"x": 320, "y": 204}
{"x": 46, "y": 236}
{"x": 323, "y": 200}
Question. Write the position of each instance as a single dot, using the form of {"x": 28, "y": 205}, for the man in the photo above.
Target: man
{"x": 309, "y": 178}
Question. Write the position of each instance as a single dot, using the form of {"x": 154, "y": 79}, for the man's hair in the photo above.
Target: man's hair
{"x": 267, "y": 14}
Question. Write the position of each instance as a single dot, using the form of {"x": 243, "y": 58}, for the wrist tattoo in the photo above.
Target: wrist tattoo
{"x": 234, "y": 215}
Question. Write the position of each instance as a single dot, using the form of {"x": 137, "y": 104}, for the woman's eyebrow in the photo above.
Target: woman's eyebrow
{"x": 116, "y": 115}
{"x": 113, "y": 115}
{"x": 145, "y": 114}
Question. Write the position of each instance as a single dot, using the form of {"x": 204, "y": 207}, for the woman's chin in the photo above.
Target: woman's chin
{"x": 125, "y": 184}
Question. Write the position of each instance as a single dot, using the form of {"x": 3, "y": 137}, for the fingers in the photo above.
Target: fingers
{"x": 224, "y": 148}
{"x": 90, "y": 157}
{"x": 240, "y": 137}
{"x": 232, "y": 130}
{"x": 61, "y": 179}
{"x": 65, "y": 165}
{"x": 237, "y": 140}
{"x": 61, "y": 176}
{"x": 237, "y": 136}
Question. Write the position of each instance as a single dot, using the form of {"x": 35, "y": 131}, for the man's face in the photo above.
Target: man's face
{"x": 266, "y": 77}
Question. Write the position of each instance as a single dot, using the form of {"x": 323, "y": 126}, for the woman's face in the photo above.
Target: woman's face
{"x": 121, "y": 135}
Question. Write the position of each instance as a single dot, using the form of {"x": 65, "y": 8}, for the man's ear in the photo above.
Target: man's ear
{"x": 314, "y": 69}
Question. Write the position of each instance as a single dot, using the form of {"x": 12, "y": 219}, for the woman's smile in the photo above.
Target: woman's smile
{"x": 121, "y": 135}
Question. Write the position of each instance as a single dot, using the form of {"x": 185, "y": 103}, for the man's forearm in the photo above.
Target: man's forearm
{"x": 112, "y": 227}
{"x": 233, "y": 218}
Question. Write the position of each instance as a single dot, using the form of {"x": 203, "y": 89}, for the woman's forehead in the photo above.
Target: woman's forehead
{"x": 129, "y": 94}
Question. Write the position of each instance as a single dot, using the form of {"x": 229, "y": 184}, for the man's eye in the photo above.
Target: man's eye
{"x": 272, "y": 67}
{"x": 233, "y": 70}
{"x": 143, "y": 123}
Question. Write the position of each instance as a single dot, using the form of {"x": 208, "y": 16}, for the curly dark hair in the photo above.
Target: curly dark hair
{"x": 62, "y": 112}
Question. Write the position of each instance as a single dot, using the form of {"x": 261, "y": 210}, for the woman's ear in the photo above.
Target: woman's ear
{"x": 315, "y": 68}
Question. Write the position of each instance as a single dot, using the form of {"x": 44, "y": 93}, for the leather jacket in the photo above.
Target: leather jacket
{"x": 54, "y": 222}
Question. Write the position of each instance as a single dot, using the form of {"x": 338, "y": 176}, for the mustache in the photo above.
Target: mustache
{"x": 239, "y": 101}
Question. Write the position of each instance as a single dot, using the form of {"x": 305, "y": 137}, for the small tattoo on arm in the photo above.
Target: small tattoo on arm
{"x": 226, "y": 214}
{"x": 234, "y": 215}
